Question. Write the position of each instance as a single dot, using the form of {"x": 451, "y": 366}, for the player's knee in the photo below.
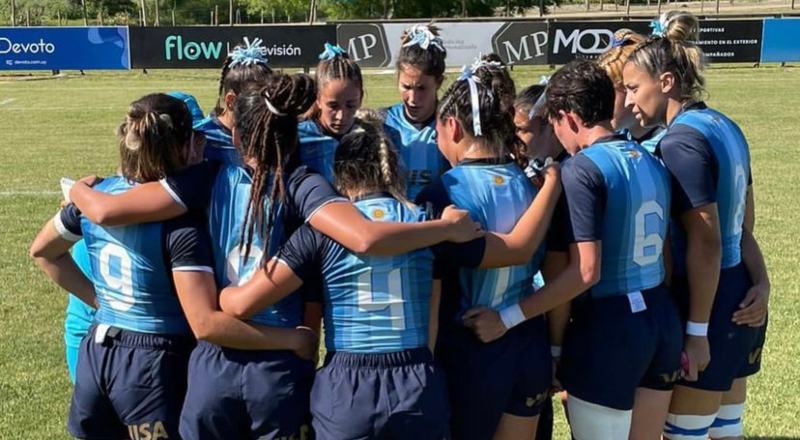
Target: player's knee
{"x": 591, "y": 421}
{"x": 728, "y": 423}
{"x": 687, "y": 427}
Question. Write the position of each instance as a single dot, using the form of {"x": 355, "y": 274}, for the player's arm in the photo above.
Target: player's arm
{"x": 50, "y": 251}
{"x": 518, "y": 246}
{"x": 753, "y": 309}
{"x": 149, "y": 202}
{"x": 283, "y": 274}
{"x": 433, "y": 319}
{"x": 319, "y": 204}
{"x": 343, "y": 222}
{"x": 557, "y": 318}
{"x": 191, "y": 258}
{"x": 585, "y": 193}
{"x": 689, "y": 159}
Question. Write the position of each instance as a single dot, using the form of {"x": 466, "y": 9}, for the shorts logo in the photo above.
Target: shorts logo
{"x": 498, "y": 180}
{"x": 754, "y": 356}
{"x": 147, "y": 432}
{"x": 378, "y": 213}
{"x": 530, "y": 402}
{"x": 671, "y": 378}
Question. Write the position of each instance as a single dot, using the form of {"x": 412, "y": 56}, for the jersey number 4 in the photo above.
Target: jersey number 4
{"x": 367, "y": 302}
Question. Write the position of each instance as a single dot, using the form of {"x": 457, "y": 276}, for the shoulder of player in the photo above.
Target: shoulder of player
{"x": 681, "y": 137}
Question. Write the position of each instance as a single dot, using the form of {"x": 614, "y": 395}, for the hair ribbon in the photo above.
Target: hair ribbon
{"x": 331, "y": 51}
{"x": 251, "y": 53}
{"x": 468, "y": 75}
{"x": 421, "y": 35}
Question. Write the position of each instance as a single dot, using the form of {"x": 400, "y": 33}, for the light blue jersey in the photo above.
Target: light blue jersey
{"x": 317, "y": 150}
{"x": 79, "y": 315}
{"x": 731, "y": 164}
{"x": 371, "y": 304}
{"x": 131, "y": 274}
{"x": 634, "y": 218}
{"x": 229, "y": 199}
{"x": 650, "y": 140}
{"x": 496, "y": 195}
{"x": 219, "y": 144}
{"x": 417, "y": 148}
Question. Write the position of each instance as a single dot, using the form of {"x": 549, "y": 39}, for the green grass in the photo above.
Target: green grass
{"x": 65, "y": 127}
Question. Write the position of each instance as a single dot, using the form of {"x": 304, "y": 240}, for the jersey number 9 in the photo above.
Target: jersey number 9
{"x": 120, "y": 280}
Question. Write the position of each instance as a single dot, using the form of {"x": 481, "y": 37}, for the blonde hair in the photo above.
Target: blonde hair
{"x": 675, "y": 52}
{"x": 153, "y": 138}
{"x": 612, "y": 61}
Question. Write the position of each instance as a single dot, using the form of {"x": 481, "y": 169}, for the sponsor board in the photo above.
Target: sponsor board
{"x": 781, "y": 40}
{"x": 53, "y": 48}
{"x": 208, "y": 46}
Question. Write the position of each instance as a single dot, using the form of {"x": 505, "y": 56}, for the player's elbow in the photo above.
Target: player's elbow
{"x": 203, "y": 327}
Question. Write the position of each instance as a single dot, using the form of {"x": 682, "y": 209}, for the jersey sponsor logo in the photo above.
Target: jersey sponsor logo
{"x": 148, "y": 431}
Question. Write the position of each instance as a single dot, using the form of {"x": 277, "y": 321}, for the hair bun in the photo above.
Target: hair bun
{"x": 682, "y": 26}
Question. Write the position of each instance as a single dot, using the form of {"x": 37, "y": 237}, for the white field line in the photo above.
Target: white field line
{"x": 29, "y": 193}
{"x": 7, "y": 101}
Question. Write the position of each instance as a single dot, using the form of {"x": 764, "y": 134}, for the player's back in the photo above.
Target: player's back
{"x": 636, "y": 216}
{"x": 417, "y": 147}
{"x": 730, "y": 166}
{"x": 496, "y": 194}
{"x": 316, "y": 149}
{"x": 377, "y": 304}
{"x": 229, "y": 199}
{"x": 131, "y": 277}
{"x": 219, "y": 144}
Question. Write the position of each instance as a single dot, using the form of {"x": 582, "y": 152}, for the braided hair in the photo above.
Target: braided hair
{"x": 266, "y": 118}
{"x": 500, "y": 136}
{"x": 366, "y": 160}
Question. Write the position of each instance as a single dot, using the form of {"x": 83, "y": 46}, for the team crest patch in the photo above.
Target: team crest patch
{"x": 498, "y": 180}
{"x": 634, "y": 154}
{"x": 378, "y": 213}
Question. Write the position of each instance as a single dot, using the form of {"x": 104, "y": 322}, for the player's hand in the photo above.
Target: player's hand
{"x": 551, "y": 172}
{"x": 461, "y": 227}
{"x": 753, "y": 309}
{"x": 485, "y": 323}
{"x": 698, "y": 354}
{"x": 89, "y": 181}
{"x": 306, "y": 345}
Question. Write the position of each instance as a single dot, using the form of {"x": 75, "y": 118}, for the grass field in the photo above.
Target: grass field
{"x": 65, "y": 127}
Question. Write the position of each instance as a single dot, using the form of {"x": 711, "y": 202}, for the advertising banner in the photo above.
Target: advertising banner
{"x": 208, "y": 46}
{"x": 51, "y": 48}
{"x": 377, "y": 45}
{"x": 731, "y": 41}
{"x": 723, "y": 41}
{"x": 781, "y": 40}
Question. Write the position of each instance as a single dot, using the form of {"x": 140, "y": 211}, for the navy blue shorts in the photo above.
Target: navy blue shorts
{"x": 511, "y": 375}
{"x": 131, "y": 385}
{"x": 246, "y": 394}
{"x": 609, "y": 351}
{"x": 753, "y": 364}
{"x": 731, "y": 345}
{"x": 399, "y": 395}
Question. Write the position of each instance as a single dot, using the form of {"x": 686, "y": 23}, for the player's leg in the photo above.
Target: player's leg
{"x": 417, "y": 395}
{"x": 147, "y": 386}
{"x": 91, "y": 414}
{"x": 513, "y": 427}
{"x": 728, "y": 424}
{"x": 213, "y": 408}
{"x": 649, "y": 412}
{"x": 654, "y": 393}
{"x": 276, "y": 388}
